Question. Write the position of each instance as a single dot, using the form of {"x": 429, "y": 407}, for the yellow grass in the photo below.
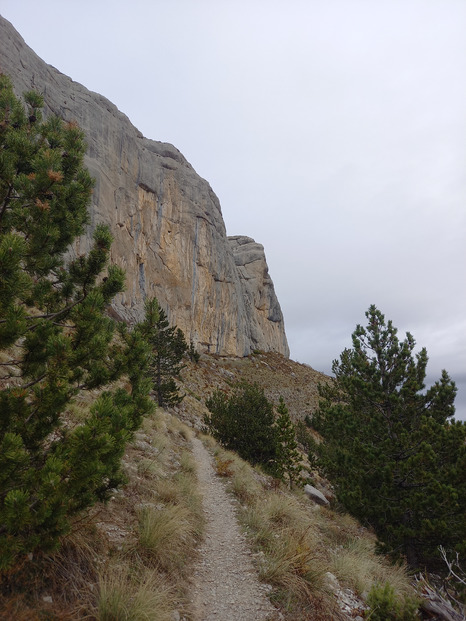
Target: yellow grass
{"x": 167, "y": 534}
{"x": 123, "y": 597}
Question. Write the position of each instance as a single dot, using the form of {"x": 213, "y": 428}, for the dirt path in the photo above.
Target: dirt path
{"x": 225, "y": 583}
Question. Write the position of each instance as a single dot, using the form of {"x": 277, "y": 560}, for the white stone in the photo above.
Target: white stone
{"x": 315, "y": 495}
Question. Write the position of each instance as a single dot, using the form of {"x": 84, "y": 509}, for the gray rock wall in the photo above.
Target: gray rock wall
{"x": 167, "y": 223}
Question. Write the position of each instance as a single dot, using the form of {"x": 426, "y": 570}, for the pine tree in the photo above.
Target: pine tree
{"x": 288, "y": 460}
{"x": 168, "y": 348}
{"x": 244, "y": 422}
{"x": 55, "y": 338}
{"x": 392, "y": 449}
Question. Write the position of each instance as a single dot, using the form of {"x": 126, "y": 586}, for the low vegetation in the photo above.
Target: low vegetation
{"x": 307, "y": 553}
{"x": 128, "y": 559}
{"x": 116, "y": 558}
{"x": 386, "y": 605}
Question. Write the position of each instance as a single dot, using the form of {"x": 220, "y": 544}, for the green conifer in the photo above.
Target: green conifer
{"x": 244, "y": 422}
{"x": 168, "y": 347}
{"x": 392, "y": 449}
{"x": 288, "y": 460}
{"x": 55, "y": 337}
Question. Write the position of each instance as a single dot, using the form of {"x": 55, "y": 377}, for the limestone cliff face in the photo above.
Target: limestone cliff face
{"x": 258, "y": 292}
{"x": 167, "y": 223}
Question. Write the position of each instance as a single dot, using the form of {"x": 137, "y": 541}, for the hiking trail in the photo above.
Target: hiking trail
{"x": 225, "y": 584}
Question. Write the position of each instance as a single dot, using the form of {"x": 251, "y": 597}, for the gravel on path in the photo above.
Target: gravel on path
{"x": 225, "y": 584}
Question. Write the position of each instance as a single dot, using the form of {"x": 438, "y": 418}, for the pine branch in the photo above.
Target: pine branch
{"x": 6, "y": 201}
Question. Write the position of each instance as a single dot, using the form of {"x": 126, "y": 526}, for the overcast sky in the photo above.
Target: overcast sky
{"x": 332, "y": 131}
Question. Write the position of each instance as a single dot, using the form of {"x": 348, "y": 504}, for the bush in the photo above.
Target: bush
{"x": 245, "y": 423}
{"x": 168, "y": 348}
{"x": 391, "y": 448}
{"x": 384, "y": 605}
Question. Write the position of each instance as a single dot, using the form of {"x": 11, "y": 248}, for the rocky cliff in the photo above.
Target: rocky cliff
{"x": 167, "y": 223}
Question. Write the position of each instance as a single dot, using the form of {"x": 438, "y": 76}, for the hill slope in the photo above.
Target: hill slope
{"x": 137, "y": 555}
{"x": 278, "y": 375}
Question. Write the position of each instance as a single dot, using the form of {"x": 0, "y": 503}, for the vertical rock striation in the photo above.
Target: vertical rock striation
{"x": 167, "y": 222}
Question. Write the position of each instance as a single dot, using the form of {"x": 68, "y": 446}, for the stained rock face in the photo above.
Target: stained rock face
{"x": 167, "y": 222}
{"x": 258, "y": 292}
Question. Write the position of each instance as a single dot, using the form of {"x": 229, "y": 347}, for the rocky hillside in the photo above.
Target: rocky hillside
{"x": 278, "y": 375}
{"x": 167, "y": 222}
{"x": 144, "y": 554}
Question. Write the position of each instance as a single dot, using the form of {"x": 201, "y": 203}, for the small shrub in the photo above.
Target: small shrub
{"x": 288, "y": 461}
{"x": 223, "y": 467}
{"x": 384, "y": 605}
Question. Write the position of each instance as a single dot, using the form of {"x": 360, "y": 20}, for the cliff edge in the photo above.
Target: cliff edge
{"x": 167, "y": 222}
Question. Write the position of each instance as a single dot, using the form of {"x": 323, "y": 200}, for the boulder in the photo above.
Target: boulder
{"x": 315, "y": 495}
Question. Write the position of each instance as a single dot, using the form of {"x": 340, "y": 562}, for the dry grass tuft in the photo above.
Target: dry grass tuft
{"x": 244, "y": 485}
{"x": 55, "y": 586}
{"x": 208, "y": 441}
{"x": 176, "y": 426}
{"x": 357, "y": 566}
{"x": 123, "y": 596}
{"x": 167, "y": 535}
{"x": 150, "y": 468}
{"x": 292, "y": 562}
{"x": 188, "y": 463}
{"x": 283, "y": 510}
{"x": 168, "y": 491}
{"x": 286, "y": 536}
